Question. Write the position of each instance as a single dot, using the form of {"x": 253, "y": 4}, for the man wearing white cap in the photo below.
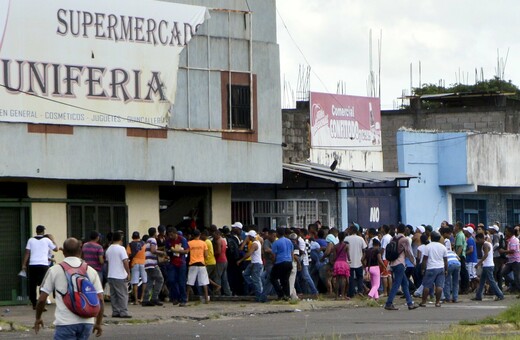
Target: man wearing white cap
{"x": 471, "y": 255}
{"x": 497, "y": 239}
{"x": 253, "y": 273}
{"x": 233, "y": 255}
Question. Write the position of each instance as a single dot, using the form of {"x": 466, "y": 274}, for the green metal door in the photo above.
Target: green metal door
{"x": 14, "y": 230}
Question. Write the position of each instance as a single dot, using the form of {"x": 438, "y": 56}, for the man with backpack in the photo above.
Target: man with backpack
{"x": 396, "y": 251}
{"x": 72, "y": 323}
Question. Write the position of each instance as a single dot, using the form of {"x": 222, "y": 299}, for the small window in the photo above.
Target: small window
{"x": 239, "y": 106}
{"x": 240, "y": 103}
{"x": 471, "y": 211}
{"x": 513, "y": 212}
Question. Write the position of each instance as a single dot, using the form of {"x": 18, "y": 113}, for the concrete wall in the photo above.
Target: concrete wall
{"x": 493, "y": 160}
{"x": 221, "y": 205}
{"x": 52, "y": 215}
{"x": 143, "y": 207}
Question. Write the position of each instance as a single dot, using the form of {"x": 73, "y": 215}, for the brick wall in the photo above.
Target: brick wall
{"x": 295, "y": 132}
{"x": 481, "y": 119}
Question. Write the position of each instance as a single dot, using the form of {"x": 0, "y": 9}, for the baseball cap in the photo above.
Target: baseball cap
{"x": 40, "y": 229}
{"x": 293, "y": 236}
{"x": 421, "y": 229}
{"x": 251, "y": 233}
{"x": 237, "y": 225}
{"x": 470, "y": 225}
{"x": 494, "y": 227}
{"x": 469, "y": 230}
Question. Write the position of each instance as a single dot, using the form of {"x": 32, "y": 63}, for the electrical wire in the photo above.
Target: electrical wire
{"x": 218, "y": 136}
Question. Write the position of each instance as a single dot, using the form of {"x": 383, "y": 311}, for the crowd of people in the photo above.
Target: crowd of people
{"x": 169, "y": 265}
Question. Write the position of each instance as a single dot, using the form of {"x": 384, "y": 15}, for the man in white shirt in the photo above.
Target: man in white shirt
{"x": 253, "y": 276}
{"x": 118, "y": 277}
{"x": 435, "y": 268}
{"x": 357, "y": 245}
{"x": 69, "y": 325}
{"x": 488, "y": 267}
{"x": 37, "y": 259}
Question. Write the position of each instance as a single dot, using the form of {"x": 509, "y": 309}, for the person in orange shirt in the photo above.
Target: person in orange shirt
{"x": 136, "y": 254}
{"x": 197, "y": 267}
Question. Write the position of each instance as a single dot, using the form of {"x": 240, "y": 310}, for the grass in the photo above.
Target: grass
{"x": 509, "y": 316}
{"x": 508, "y": 321}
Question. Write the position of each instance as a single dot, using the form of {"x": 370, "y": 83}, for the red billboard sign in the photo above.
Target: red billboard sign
{"x": 340, "y": 121}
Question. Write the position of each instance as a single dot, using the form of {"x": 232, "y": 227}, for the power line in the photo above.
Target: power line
{"x": 219, "y": 137}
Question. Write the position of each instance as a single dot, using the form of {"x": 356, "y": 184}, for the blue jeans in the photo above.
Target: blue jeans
{"x": 177, "y": 282}
{"x": 306, "y": 276}
{"x": 80, "y": 331}
{"x": 253, "y": 277}
{"x": 451, "y": 284}
{"x": 487, "y": 273}
{"x": 267, "y": 287}
{"x": 356, "y": 281}
{"x": 400, "y": 280}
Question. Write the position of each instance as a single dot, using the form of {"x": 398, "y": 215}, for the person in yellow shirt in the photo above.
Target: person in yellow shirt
{"x": 211, "y": 263}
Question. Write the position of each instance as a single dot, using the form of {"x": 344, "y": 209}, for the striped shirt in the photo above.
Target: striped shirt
{"x": 91, "y": 253}
{"x": 453, "y": 259}
{"x": 150, "y": 259}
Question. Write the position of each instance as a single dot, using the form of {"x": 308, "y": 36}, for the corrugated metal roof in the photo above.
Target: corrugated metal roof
{"x": 340, "y": 176}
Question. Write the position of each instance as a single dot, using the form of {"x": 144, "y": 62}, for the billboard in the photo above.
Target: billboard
{"x": 92, "y": 62}
{"x": 340, "y": 121}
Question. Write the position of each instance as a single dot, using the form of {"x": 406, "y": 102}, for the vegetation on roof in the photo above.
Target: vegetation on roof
{"x": 495, "y": 85}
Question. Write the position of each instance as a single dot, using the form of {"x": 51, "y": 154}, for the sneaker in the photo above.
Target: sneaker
{"x": 413, "y": 306}
{"x": 391, "y": 307}
{"x": 158, "y": 303}
{"x": 182, "y": 304}
{"x": 498, "y": 298}
{"x": 475, "y": 299}
{"x": 147, "y": 304}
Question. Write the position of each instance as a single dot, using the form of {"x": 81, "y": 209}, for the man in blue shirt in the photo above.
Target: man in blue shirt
{"x": 471, "y": 256}
{"x": 282, "y": 252}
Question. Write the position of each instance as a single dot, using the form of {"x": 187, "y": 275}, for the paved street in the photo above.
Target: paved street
{"x": 244, "y": 320}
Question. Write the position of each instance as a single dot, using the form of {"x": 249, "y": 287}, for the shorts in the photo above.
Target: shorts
{"x": 341, "y": 268}
{"x": 138, "y": 272}
{"x": 433, "y": 276}
{"x": 384, "y": 271}
{"x": 199, "y": 274}
{"x": 472, "y": 272}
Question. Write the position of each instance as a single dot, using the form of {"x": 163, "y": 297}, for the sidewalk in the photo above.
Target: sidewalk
{"x": 22, "y": 317}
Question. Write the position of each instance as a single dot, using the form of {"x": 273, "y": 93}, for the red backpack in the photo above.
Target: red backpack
{"x": 81, "y": 297}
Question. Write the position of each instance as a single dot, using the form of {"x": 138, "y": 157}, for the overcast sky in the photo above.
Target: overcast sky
{"x": 447, "y": 37}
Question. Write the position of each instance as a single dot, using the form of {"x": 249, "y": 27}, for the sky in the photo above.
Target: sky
{"x": 449, "y": 39}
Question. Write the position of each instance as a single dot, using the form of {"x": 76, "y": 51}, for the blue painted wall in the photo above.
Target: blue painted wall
{"x": 437, "y": 159}
{"x": 453, "y": 165}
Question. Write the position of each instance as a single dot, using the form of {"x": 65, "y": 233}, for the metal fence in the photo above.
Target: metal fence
{"x": 286, "y": 212}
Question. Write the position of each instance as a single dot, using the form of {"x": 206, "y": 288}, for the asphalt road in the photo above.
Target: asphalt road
{"x": 348, "y": 323}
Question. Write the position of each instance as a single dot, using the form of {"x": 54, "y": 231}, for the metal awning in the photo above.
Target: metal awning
{"x": 345, "y": 176}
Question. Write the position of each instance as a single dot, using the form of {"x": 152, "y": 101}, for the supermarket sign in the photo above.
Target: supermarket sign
{"x": 92, "y": 62}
